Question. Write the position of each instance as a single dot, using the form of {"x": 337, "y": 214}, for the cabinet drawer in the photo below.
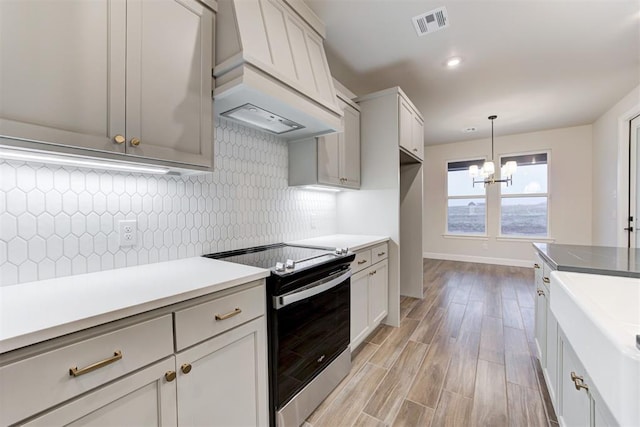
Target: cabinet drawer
{"x": 195, "y": 324}
{"x": 363, "y": 260}
{"x": 37, "y": 383}
{"x": 380, "y": 252}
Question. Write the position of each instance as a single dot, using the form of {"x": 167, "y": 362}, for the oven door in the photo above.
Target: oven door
{"x": 312, "y": 326}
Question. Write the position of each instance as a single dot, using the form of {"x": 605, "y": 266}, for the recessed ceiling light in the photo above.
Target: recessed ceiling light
{"x": 454, "y": 62}
{"x": 470, "y": 129}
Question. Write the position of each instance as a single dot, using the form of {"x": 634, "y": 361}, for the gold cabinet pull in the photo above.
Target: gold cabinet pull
{"x": 536, "y": 265}
{"x": 381, "y": 253}
{"x": 170, "y": 376}
{"x": 579, "y": 382}
{"x": 546, "y": 280}
{"x": 118, "y": 139}
{"x": 186, "y": 368}
{"x": 540, "y": 292}
{"x": 371, "y": 273}
{"x": 75, "y": 372}
{"x": 415, "y": 149}
{"x": 135, "y": 141}
{"x": 235, "y": 312}
{"x": 362, "y": 262}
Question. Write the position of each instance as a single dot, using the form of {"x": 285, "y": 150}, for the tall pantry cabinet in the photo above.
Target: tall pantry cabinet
{"x": 389, "y": 202}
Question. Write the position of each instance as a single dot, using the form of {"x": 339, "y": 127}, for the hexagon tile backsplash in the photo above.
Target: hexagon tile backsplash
{"x": 60, "y": 221}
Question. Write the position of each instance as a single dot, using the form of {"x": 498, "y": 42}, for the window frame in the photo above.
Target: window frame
{"x": 501, "y": 236}
{"x": 446, "y": 233}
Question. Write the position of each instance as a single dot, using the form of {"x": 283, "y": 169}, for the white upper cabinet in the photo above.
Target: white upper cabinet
{"x": 169, "y": 62}
{"x": 332, "y": 159}
{"x": 130, "y": 77}
{"x": 63, "y": 72}
{"x": 417, "y": 135}
{"x": 329, "y": 159}
{"x": 411, "y": 128}
{"x": 410, "y": 124}
{"x": 350, "y": 149}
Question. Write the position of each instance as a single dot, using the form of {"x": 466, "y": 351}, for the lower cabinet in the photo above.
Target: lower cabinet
{"x": 359, "y": 308}
{"x": 546, "y": 328}
{"x": 541, "y": 324}
{"x": 378, "y": 292}
{"x": 149, "y": 370}
{"x": 579, "y": 402}
{"x": 575, "y": 400}
{"x": 223, "y": 381}
{"x": 369, "y": 292}
{"x": 145, "y": 398}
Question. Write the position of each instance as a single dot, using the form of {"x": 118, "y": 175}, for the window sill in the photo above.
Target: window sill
{"x": 531, "y": 239}
{"x": 466, "y": 236}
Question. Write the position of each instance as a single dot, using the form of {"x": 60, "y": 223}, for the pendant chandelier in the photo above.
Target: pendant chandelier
{"x": 488, "y": 169}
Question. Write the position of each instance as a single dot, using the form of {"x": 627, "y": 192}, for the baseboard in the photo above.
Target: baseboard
{"x": 479, "y": 259}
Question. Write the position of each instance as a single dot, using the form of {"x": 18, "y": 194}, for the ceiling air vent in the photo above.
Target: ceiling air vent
{"x": 432, "y": 21}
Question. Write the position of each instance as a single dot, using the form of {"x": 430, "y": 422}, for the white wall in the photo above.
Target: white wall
{"x": 58, "y": 221}
{"x": 569, "y": 201}
{"x": 610, "y": 170}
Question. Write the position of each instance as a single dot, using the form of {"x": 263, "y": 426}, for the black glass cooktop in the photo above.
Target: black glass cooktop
{"x": 279, "y": 257}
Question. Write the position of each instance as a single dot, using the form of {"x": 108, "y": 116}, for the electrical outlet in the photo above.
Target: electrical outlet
{"x": 128, "y": 232}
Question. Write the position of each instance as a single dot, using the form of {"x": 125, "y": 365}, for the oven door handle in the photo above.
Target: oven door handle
{"x": 310, "y": 290}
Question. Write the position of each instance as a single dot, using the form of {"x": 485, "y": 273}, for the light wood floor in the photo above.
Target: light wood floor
{"x": 462, "y": 356}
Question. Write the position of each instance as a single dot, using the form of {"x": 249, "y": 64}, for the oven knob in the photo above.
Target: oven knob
{"x": 279, "y": 266}
{"x": 290, "y": 264}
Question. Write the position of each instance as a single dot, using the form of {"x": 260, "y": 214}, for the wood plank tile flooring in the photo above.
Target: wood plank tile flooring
{"x": 462, "y": 356}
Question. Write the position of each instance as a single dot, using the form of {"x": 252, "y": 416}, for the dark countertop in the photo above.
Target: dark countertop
{"x": 591, "y": 259}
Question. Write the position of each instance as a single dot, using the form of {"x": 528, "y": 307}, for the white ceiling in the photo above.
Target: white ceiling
{"x": 537, "y": 64}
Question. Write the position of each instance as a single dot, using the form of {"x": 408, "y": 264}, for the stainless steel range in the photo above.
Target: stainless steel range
{"x": 308, "y": 303}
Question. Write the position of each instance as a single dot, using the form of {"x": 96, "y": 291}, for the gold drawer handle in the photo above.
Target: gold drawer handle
{"x": 546, "y": 280}
{"x": 75, "y": 372}
{"x": 381, "y": 253}
{"x": 235, "y": 312}
{"x": 540, "y": 292}
{"x": 118, "y": 139}
{"x": 362, "y": 262}
{"x": 135, "y": 142}
{"x": 371, "y": 273}
{"x": 579, "y": 382}
{"x": 536, "y": 265}
{"x": 186, "y": 368}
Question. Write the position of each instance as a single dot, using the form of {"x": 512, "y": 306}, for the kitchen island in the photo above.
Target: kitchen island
{"x": 584, "y": 339}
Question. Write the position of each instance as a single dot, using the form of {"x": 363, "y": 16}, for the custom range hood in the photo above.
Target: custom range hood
{"x": 271, "y": 71}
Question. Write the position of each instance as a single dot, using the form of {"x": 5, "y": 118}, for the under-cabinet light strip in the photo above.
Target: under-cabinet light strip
{"x": 318, "y": 188}
{"x": 70, "y": 160}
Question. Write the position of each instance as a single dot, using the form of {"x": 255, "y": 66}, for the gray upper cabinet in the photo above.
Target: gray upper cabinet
{"x": 332, "y": 159}
{"x": 63, "y": 72}
{"x": 411, "y": 129}
{"x": 129, "y": 77}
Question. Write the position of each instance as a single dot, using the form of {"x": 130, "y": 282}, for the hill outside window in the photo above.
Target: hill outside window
{"x": 524, "y": 206}
{"x": 466, "y": 204}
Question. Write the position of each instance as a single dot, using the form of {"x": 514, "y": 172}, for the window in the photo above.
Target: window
{"x": 466, "y": 203}
{"x": 524, "y": 207}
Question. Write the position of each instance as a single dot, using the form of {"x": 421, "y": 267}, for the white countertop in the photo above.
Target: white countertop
{"x": 353, "y": 242}
{"x": 38, "y": 311}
